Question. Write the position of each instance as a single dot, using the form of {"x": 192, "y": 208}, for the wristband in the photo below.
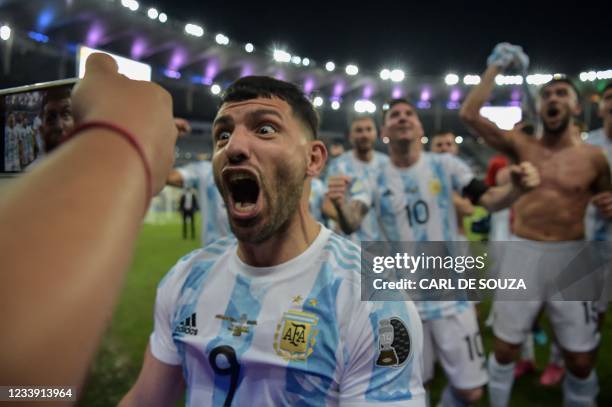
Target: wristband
{"x": 127, "y": 136}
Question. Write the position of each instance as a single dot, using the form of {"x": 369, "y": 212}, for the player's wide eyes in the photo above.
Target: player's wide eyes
{"x": 223, "y": 135}
{"x": 266, "y": 129}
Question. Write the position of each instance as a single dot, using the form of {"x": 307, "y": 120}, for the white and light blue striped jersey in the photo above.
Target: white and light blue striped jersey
{"x": 348, "y": 164}
{"x": 11, "y": 149}
{"x": 317, "y": 196}
{"x": 215, "y": 223}
{"x": 416, "y": 204}
{"x": 294, "y": 334}
{"x": 596, "y": 226}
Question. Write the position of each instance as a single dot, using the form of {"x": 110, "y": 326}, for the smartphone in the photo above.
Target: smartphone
{"x": 34, "y": 119}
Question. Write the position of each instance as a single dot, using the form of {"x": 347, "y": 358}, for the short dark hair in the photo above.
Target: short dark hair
{"x": 442, "y": 132}
{"x": 359, "y": 117}
{"x": 59, "y": 93}
{"x": 253, "y": 87}
{"x": 562, "y": 79}
{"x": 337, "y": 140}
{"x": 394, "y": 102}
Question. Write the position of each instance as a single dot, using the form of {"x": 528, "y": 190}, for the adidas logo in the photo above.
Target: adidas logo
{"x": 188, "y": 326}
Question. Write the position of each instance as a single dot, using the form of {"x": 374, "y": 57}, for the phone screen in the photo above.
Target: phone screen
{"x": 34, "y": 119}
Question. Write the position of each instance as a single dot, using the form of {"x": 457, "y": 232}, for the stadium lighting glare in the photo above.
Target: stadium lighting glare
{"x": 471, "y": 80}
{"x": 194, "y": 29}
{"x": 509, "y": 80}
{"x": 385, "y": 74}
{"x": 163, "y": 17}
{"x": 221, "y": 39}
{"x": 215, "y": 89}
{"x": 364, "y": 106}
{"x": 335, "y": 105}
{"x": 281, "y": 56}
{"x": 305, "y": 61}
{"x": 458, "y": 139}
{"x": 152, "y": 13}
{"x": 538, "y": 79}
{"x": 607, "y": 74}
{"x": 131, "y": 4}
{"x": 5, "y": 32}
{"x": 330, "y": 66}
{"x": 583, "y": 76}
{"x": 317, "y": 101}
{"x": 451, "y": 79}
{"x": 351, "y": 70}
{"x": 296, "y": 60}
{"x": 248, "y": 47}
{"x": 424, "y": 140}
{"x": 397, "y": 75}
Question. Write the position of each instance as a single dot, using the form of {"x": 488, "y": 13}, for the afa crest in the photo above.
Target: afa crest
{"x": 435, "y": 187}
{"x": 295, "y": 335}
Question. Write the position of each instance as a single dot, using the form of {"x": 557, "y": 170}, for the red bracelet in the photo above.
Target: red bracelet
{"x": 127, "y": 136}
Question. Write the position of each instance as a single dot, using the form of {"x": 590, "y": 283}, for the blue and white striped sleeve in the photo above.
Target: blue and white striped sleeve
{"x": 384, "y": 348}
{"x": 161, "y": 342}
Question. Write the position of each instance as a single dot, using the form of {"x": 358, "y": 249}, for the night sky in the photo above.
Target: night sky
{"x": 423, "y": 38}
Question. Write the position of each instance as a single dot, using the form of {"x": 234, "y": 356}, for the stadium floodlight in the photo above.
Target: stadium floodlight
{"x": 397, "y": 75}
{"x": 221, "y": 39}
{"x": 424, "y": 140}
{"x": 364, "y": 106}
{"x": 305, "y": 61}
{"x": 607, "y": 74}
{"x": 215, "y": 89}
{"x": 458, "y": 139}
{"x": 194, "y": 29}
{"x": 351, "y": 70}
{"x": 509, "y": 80}
{"x": 296, "y": 60}
{"x": 335, "y": 105}
{"x": 385, "y": 74}
{"x": 317, "y": 101}
{"x": 248, "y": 47}
{"x": 451, "y": 79}
{"x": 471, "y": 80}
{"x": 281, "y": 56}
{"x": 163, "y": 17}
{"x": 330, "y": 66}
{"x": 131, "y": 4}
{"x": 152, "y": 13}
{"x": 538, "y": 79}
{"x": 5, "y": 32}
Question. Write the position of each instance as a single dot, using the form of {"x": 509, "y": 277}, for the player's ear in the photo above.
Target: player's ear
{"x": 317, "y": 157}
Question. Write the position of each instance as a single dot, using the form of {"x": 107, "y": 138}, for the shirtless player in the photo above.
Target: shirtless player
{"x": 571, "y": 173}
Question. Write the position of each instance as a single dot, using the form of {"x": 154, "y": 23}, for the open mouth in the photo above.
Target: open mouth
{"x": 244, "y": 192}
{"x": 553, "y": 112}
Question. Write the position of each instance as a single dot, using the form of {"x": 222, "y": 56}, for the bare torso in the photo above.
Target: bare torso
{"x": 555, "y": 210}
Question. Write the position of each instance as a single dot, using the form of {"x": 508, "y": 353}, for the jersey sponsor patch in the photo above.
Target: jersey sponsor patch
{"x": 394, "y": 343}
{"x": 295, "y": 335}
{"x": 187, "y": 326}
{"x": 237, "y": 326}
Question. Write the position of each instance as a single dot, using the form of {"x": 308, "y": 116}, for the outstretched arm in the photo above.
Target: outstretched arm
{"x": 504, "y": 55}
{"x": 63, "y": 262}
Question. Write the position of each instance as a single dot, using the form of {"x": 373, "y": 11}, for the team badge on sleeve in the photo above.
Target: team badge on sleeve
{"x": 295, "y": 335}
{"x": 394, "y": 343}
